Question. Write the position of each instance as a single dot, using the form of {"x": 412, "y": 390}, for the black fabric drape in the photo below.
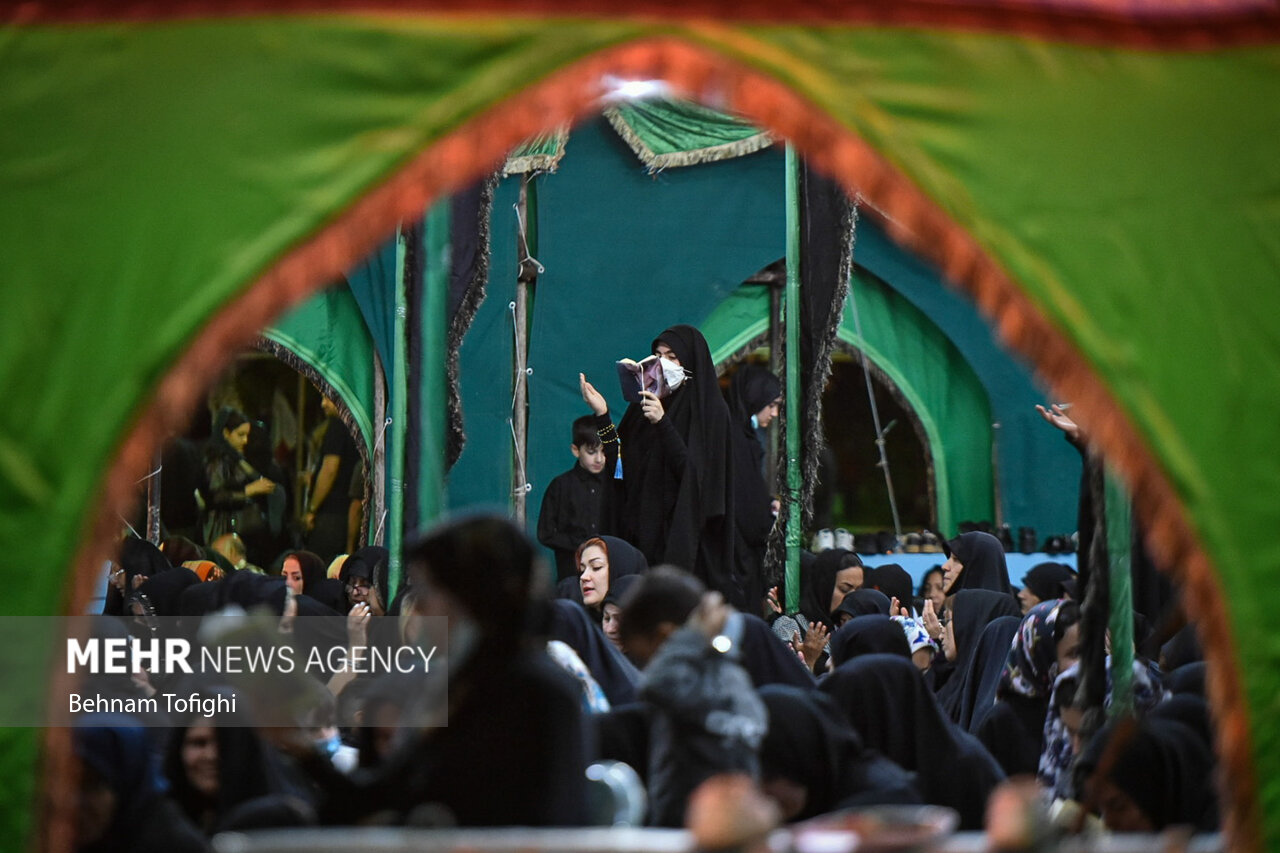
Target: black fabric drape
{"x": 751, "y": 389}
{"x": 827, "y": 222}
{"x": 573, "y": 626}
{"x": 869, "y": 635}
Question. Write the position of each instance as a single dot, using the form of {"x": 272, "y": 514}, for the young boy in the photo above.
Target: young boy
{"x": 581, "y": 502}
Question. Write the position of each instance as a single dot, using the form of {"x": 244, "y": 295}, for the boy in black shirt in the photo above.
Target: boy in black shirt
{"x": 581, "y": 502}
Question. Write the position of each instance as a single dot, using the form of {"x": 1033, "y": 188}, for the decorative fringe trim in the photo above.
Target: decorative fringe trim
{"x": 915, "y": 222}
{"x": 711, "y": 154}
{"x": 541, "y": 162}
{"x": 460, "y": 323}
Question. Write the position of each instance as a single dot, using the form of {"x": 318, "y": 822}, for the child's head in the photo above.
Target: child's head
{"x": 586, "y": 446}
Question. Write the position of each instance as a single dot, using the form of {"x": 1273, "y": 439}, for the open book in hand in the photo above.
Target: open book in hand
{"x": 643, "y": 375}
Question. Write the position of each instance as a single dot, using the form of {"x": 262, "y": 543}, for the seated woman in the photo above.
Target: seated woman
{"x": 813, "y": 762}
{"x": 602, "y": 560}
{"x": 894, "y": 711}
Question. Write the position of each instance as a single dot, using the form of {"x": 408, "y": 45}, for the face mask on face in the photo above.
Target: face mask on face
{"x": 755, "y": 422}
{"x": 673, "y": 372}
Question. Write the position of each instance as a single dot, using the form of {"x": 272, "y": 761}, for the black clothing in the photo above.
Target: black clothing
{"x": 573, "y": 626}
{"x": 893, "y": 581}
{"x": 751, "y": 389}
{"x": 1188, "y": 678}
{"x": 895, "y": 713}
{"x": 181, "y": 476}
{"x": 982, "y": 680}
{"x": 512, "y": 754}
{"x": 818, "y": 582}
{"x": 1012, "y": 730}
{"x": 864, "y": 602}
{"x": 1190, "y": 710}
{"x": 678, "y": 473}
{"x": 768, "y": 659}
{"x": 1163, "y": 766}
{"x": 810, "y": 741}
{"x": 982, "y": 557}
{"x": 227, "y": 508}
{"x": 117, "y": 754}
{"x": 138, "y": 558}
{"x": 579, "y": 505}
{"x": 705, "y": 720}
{"x": 1045, "y": 580}
{"x": 328, "y": 537}
{"x": 971, "y": 612}
{"x": 869, "y": 635}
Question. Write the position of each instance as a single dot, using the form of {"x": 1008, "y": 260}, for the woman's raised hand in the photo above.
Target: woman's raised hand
{"x": 591, "y": 396}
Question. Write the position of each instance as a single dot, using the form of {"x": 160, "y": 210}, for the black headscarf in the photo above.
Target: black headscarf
{"x": 869, "y": 635}
{"x": 1045, "y": 580}
{"x": 971, "y": 612}
{"x": 769, "y": 660}
{"x": 1190, "y": 710}
{"x": 893, "y": 709}
{"x": 138, "y": 558}
{"x": 625, "y": 559}
{"x": 864, "y": 602}
{"x": 819, "y": 582}
{"x": 163, "y": 591}
{"x": 573, "y": 626}
{"x": 617, "y": 589}
{"x": 893, "y": 581}
{"x": 682, "y": 513}
{"x": 811, "y": 742}
{"x": 248, "y": 768}
{"x": 1188, "y": 678}
{"x": 1163, "y": 766}
{"x": 369, "y": 562}
{"x": 982, "y": 681}
{"x": 752, "y": 388}
{"x": 982, "y": 557}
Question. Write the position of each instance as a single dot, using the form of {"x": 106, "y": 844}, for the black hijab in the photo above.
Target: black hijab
{"x": 769, "y": 660}
{"x": 811, "y": 742}
{"x": 1163, "y": 766}
{"x": 894, "y": 711}
{"x": 1045, "y": 580}
{"x": 138, "y": 558}
{"x": 1190, "y": 710}
{"x": 681, "y": 511}
{"x": 864, "y": 602}
{"x": 751, "y": 389}
{"x": 982, "y": 557}
{"x": 819, "y": 582}
{"x": 982, "y": 681}
{"x": 971, "y": 612}
{"x": 369, "y": 562}
{"x": 625, "y": 559}
{"x": 573, "y": 626}
{"x": 1188, "y": 678}
{"x": 869, "y": 635}
{"x": 617, "y": 589}
{"x": 162, "y": 591}
{"x": 893, "y": 581}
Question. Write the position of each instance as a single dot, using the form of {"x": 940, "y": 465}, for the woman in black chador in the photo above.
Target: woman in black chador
{"x": 678, "y": 469}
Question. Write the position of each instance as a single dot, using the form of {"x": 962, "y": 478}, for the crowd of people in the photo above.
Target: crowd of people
{"x": 658, "y": 646}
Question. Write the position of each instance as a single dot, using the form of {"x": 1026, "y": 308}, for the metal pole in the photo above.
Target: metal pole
{"x": 1121, "y": 596}
{"x": 399, "y": 414}
{"x": 791, "y": 321}
{"x": 153, "y": 500}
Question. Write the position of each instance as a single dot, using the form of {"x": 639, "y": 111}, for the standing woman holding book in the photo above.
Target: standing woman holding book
{"x": 677, "y": 468}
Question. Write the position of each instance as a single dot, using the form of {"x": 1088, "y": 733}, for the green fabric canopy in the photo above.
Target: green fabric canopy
{"x": 152, "y": 171}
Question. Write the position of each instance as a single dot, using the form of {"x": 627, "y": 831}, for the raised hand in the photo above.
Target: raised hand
{"x": 772, "y": 605}
{"x": 1057, "y": 416}
{"x": 591, "y": 396}
{"x": 932, "y": 623}
{"x": 814, "y": 643}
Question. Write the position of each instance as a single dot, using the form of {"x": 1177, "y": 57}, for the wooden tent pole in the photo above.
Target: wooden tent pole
{"x": 527, "y": 277}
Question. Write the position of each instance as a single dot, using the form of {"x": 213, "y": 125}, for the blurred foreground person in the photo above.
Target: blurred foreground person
{"x": 512, "y": 752}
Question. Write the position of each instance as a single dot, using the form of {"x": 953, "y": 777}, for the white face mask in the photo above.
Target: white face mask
{"x": 673, "y": 372}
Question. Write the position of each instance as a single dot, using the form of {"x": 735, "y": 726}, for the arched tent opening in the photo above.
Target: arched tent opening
{"x": 1139, "y": 409}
